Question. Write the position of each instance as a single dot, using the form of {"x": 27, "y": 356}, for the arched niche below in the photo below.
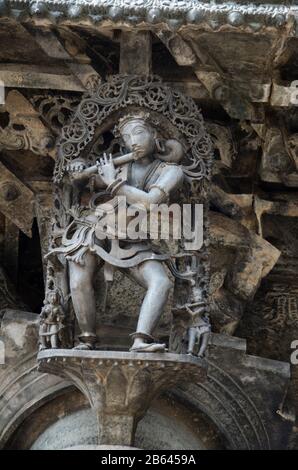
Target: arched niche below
{"x": 68, "y": 421}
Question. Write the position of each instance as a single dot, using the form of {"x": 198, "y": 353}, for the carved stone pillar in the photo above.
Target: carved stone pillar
{"x": 44, "y": 214}
{"x": 120, "y": 386}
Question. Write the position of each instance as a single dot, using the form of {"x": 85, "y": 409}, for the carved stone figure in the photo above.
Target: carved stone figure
{"x": 148, "y": 170}
{"x": 145, "y": 180}
{"x": 199, "y": 330}
{"x": 51, "y": 321}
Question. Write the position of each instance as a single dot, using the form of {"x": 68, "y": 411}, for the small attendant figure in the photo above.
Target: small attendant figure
{"x": 198, "y": 332}
{"x": 51, "y": 321}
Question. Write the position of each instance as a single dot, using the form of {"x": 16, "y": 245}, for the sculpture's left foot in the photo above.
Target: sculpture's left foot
{"x": 151, "y": 347}
{"x": 87, "y": 342}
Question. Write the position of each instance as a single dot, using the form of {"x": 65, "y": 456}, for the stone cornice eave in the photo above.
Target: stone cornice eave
{"x": 175, "y": 14}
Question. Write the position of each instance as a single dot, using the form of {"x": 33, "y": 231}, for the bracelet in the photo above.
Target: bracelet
{"x": 115, "y": 185}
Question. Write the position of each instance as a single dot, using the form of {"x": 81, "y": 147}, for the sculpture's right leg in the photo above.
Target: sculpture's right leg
{"x": 204, "y": 344}
{"x": 54, "y": 337}
{"x": 42, "y": 336}
{"x": 192, "y": 336}
{"x": 83, "y": 299}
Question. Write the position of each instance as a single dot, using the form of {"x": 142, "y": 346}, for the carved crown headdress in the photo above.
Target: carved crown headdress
{"x": 141, "y": 116}
{"x": 152, "y": 97}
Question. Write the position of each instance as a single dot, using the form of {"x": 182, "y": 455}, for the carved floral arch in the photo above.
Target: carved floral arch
{"x": 124, "y": 91}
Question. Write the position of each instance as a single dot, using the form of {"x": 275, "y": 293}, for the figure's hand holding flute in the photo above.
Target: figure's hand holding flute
{"x": 117, "y": 161}
{"x": 78, "y": 170}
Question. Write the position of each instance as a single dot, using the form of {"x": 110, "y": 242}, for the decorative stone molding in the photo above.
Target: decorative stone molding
{"x": 174, "y": 13}
{"x": 243, "y": 395}
{"x": 228, "y": 397}
{"x": 246, "y": 418}
{"x": 120, "y": 386}
{"x": 24, "y": 129}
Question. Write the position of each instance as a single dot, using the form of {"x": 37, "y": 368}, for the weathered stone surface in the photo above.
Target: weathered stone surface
{"x": 22, "y": 388}
{"x": 83, "y": 73}
{"x": 33, "y": 77}
{"x": 16, "y": 200}
{"x": 229, "y": 14}
{"x": 214, "y": 53}
{"x": 135, "y": 53}
{"x": 244, "y": 393}
{"x": 167, "y": 425}
{"x": 272, "y": 323}
{"x": 240, "y": 259}
{"x": 8, "y": 296}
{"x": 232, "y": 397}
{"x": 236, "y": 387}
{"x": 120, "y": 385}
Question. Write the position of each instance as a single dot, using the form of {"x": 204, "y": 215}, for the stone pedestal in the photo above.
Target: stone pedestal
{"x": 120, "y": 386}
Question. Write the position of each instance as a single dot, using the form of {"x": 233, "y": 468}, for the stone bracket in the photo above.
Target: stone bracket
{"x": 135, "y": 53}
{"x": 16, "y": 200}
{"x": 120, "y": 386}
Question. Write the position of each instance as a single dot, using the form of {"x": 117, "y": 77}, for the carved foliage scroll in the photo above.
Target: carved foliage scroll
{"x": 145, "y": 92}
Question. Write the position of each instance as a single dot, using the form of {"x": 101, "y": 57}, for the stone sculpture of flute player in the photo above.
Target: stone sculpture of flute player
{"x": 148, "y": 177}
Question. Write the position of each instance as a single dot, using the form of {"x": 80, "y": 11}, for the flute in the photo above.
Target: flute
{"x": 117, "y": 162}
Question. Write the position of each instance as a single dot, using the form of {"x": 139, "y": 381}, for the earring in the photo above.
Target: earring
{"x": 160, "y": 146}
